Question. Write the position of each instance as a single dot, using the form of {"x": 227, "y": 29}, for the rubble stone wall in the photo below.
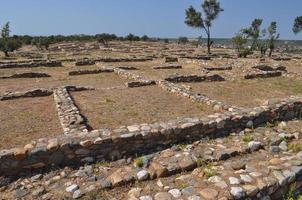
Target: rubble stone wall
{"x": 114, "y": 144}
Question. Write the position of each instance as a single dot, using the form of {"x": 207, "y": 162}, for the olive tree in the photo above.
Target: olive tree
{"x": 297, "y": 25}
{"x": 195, "y": 19}
{"x": 273, "y": 36}
{"x": 7, "y": 43}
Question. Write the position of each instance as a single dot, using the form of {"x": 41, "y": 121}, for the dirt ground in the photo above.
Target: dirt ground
{"x": 249, "y": 93}
{"x": 24, "y": 120}
{"x": 114, "y": 108}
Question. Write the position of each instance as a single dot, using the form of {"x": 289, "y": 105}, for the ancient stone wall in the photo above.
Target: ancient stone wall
{"x": 30, "y": 64}
{"x": 26, "y": 75}
{"x": 69, "y": 115}
{"x": 139, "y": 81}
{"x": 168, "y": 66}
{"x": 24, "y": 94}
{"x": 113, "y": 144}
{"x": 263, "y": 74}
{"x": 94, "y": 71}
{"x": 194, "y": 78}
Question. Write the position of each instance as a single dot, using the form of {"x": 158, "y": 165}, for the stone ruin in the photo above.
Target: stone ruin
{"x": 93, "y": 71}
{"x": 263, "y": 74}
{"x": 30, "y": 64}
{"x": 41, "y": 92}
{"x": 27, "y": 75}
{"x": 171, "y": 59}
{"x": 264, "y": 67}
{"x": 218, "y": 68}
{"x": 168, "y": 66}
{"x": 194, "y": 78}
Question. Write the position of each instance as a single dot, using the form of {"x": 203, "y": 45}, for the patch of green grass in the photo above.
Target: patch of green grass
{"x": 182, "y": 146}
{"x": 270, "y": 125}
{"x": 295, "y": 147}
{"x": 247, "y": 138}
{"x": 139, "y": 162}
{"x": 291, "y": 194}
{"x": 102, "y": 164}
{"x": 200, "y": 162}
{"x": 208, "y": 171}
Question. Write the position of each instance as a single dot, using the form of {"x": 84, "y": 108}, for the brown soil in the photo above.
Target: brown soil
{"x": 24, "y": 120}
{"x": 249, "y": 93}
{"x": 114, "y": 108}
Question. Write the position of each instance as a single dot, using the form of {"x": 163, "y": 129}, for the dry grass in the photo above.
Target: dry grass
{"x": 113, "y": 108}
{"x": 249, "y": 93}
{"x": 24, "y": 120}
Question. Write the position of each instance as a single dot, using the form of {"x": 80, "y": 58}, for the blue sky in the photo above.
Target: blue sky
{"x": 157, "y": 18}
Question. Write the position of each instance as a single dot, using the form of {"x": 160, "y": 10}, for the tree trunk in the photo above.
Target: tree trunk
{"x": 270, "y": 52}
{"x": 209, "y": 43}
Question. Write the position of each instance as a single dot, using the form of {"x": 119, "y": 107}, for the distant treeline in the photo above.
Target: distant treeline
{"x": 45, "y": 41}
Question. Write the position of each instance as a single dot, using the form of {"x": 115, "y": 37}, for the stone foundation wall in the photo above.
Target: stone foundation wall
{"x": 269, "y": 68}
{"x": 85, "y": 62}
{"x": 114, "y": 144}
{"x": 264, "y": 74}
{"x": 27, "y": 75}
{"x": 199, "y": 98}
{"x": 25, "y": 64}
{"x": 69, "y": 115}
{"x": 219, "y": 68}
{"x": 194, "y": 78}
{"x": 41, "y": 92}
{"x": 171, "y": 59}
{"x": 169, "y": 66}
{"x": 95, "y": 71}
{"x": 139, "y": 81}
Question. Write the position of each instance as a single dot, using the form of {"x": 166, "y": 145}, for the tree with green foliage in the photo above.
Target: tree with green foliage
{"x": 297, "y": 25}
{"x": 42, "y": 42}
{"x": 273, "y": 36}
{"x": 211, "y": 9}
{"x": 239, "y": 42}
{"x": 145, "y": 38}
{"x": 105, "y": 38}
{"x": 254, "y": 33}
{"x": 183, "y": 40}
{"x": 8, "y": 44}
{"x": 131, "y": 37}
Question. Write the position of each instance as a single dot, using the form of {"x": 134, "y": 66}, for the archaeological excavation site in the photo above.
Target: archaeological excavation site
{"x": 104, "y": 117}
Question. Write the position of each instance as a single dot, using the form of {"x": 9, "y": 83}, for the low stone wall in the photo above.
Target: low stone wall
{"x": 282, "y": 59}
{"x": 169, "y": 66}
{"x": 41, "y": 92}
{"x": 27, "y": 75}
{"x": 85, "y": 62}
{"x": 269, "y": 68}
{"x": 171, "y": 59}
{"x": 218, "y": 68}
{"x": 94, "y": 71}
{"x": 25, "y": 64}
{"x": 264, "y": 74}
{"x": 139, "y": 81}
{"x": 127, "y": 68}
{"x": 194, "y": 78}
{"x": 124, "y": 59}
{"x": 69, "y": 115}
{"x": 199, "y": 98}
{"x": 105, "y": 144}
